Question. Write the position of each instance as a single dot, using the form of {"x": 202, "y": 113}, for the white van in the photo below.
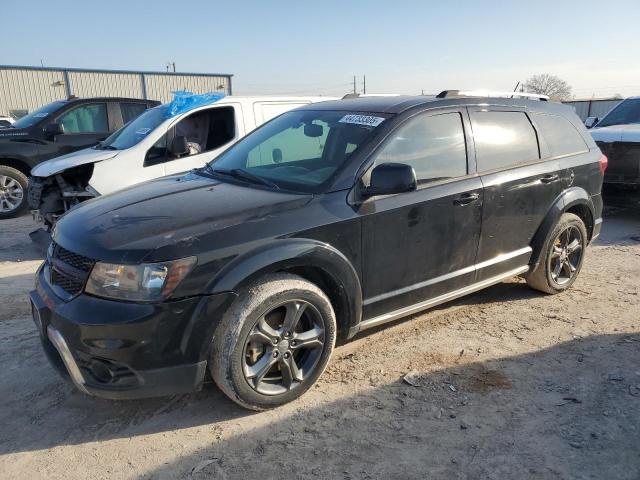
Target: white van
{"x": 153, "y": 145}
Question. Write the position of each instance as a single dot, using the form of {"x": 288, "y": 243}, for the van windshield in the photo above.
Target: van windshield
{"x": 135, "y": 131}
{"x": 298, "y": 151}
{"x": 37, "y": 115}
{"x": 624, "y": 113}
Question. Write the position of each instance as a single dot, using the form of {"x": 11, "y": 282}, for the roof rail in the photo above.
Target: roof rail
{"x": 489, "y": 93}
{"x": 365, "y": 95}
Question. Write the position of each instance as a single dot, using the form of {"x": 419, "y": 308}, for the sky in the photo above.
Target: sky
{"x": 296, "y": 47}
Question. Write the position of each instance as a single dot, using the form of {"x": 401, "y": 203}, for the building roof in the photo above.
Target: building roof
{"x": 102, "y": 70}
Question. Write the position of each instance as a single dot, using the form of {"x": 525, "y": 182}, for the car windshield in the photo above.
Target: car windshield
{"x": 37, "y": 115}
{"x": 136, "y": 130}
{"x": 299, "y": 150}
{"x": 623, "y": 114}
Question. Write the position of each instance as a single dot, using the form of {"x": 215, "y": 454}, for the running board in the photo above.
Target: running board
{"x": 403, "y": 312}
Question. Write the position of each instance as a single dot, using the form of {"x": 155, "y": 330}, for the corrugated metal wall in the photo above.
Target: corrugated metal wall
{"x": 27, "y": 88}
{"x": 593, "y": 108}
{"x": 159, "y": 87}
{"x": 88, "y": 84}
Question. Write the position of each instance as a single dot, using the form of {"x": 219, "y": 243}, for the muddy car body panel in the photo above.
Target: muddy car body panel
{"x": 618, "y": 136}
{"x": 377, "y": 256}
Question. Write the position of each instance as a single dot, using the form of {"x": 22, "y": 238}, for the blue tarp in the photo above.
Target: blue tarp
{"x": 184, "y": 101}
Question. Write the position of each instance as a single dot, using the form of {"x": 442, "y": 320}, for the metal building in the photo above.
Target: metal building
{"x": 23, "y": 89}
{"x": 593, "y": 107}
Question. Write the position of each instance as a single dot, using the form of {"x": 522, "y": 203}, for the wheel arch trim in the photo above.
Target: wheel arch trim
{"x": 568, "y": 199}
{"x": 291, "y": 254}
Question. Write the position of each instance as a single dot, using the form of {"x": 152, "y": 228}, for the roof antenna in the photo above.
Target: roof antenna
{"x": 516, "y": 89}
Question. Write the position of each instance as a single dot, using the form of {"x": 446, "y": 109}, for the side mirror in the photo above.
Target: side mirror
{"x": 390, "y": 178}
{"x": 276, "y": 155}
{"x": 51, "y": 130}
{"x": 179, "y": 146}
{"x": 591, "y": 121}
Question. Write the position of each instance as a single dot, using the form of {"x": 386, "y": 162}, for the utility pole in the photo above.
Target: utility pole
{"x": 364, "y": 84}
{"x": 354, "y": 84}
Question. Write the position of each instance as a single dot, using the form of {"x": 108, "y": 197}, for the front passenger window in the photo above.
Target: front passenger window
{"x": 434, "y": 145}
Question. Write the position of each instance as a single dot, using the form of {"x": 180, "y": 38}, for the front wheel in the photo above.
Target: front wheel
{"x": 13, "y": 187}
{"x": 274, "y": 342}
{"x": 562, "y": 257}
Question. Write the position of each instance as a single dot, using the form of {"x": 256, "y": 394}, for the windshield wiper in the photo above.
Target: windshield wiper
{"x": 102, "y": 146}
{"x": 243, "y": 175}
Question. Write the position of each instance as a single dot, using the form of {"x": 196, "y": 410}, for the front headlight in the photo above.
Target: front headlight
{"x": 150, "y": 282}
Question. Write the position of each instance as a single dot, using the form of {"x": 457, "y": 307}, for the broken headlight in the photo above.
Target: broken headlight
{"x": 150, "y": 282}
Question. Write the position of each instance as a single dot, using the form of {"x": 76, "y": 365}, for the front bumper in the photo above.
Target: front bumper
{"x": 121, "y": 350}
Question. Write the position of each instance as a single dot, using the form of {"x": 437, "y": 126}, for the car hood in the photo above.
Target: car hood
{"x": 170, "y": 217}
{"x": 12, "y": 133}
{"x": 617, "y": 133}
{"x": 75, "y": 159}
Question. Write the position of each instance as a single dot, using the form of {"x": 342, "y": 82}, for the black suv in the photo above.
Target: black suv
{"x": 328, "y": 220}
{"x": 56, "y": 129}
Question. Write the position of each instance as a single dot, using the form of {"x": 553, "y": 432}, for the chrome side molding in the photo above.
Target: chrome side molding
{"x": 72, "y": 367}
{"x": 463, "y": 271}
{"x": 432, "y": 302}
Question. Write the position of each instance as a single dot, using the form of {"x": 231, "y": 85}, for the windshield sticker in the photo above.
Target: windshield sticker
{"x": 41, "y": 115}
{"x": 143, "y": 131}
{"x": 367, "y": 120}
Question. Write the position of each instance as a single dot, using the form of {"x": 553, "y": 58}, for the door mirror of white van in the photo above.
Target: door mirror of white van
{"x": 590, "y": 121}
{"x": 179, "y": 146}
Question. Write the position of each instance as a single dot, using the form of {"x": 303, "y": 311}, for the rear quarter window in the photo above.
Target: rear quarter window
{"x": 503, "y": 139}
{"x": 561, "y": 136}
{"x": 131, "y": 111}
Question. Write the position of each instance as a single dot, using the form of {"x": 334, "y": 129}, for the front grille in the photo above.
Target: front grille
{"x": 69, "y": 284}
{"x": 69, "y": 271}
{"x": 76, "y": 261}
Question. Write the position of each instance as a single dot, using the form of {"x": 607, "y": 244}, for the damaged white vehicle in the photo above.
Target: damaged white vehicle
{"x": 163, "y": 140}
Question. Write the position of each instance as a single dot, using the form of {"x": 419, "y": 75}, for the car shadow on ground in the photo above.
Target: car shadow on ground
{"x": 570, "y": 411}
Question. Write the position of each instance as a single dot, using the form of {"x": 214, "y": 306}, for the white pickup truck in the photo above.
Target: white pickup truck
{"x": 155, "y": 144}
{"x": 618, "y": 136}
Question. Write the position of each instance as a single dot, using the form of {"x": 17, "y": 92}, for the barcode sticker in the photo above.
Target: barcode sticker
{"x": 362, "y": 120}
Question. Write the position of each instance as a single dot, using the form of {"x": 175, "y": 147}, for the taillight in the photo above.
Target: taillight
{"x": 603, "y": 163}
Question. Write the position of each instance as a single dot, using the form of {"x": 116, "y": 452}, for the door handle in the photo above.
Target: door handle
{"x": 549, "y": 178}
{"x": 466, "y": 199}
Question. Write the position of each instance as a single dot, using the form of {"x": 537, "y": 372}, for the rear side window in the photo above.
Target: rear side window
{"x": 90, "y": 118}
{"x": 433, "y": 145}
{"x": 503, "y": 140}
{"x": 561, "y": 136}
{"x": 131, "y": 111}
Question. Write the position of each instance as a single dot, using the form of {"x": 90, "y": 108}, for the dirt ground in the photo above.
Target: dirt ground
{"x": 507, "y": 383}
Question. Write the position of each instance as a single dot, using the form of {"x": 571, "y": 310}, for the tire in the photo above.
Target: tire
{"x": 12, "y": 182}
{"x": 553, "y": 274}
{"x": 233, "y": 360}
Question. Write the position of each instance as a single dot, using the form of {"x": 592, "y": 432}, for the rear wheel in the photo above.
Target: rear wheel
{"x": 562, "y": 257}
{"x": 274, "y": 342}
{"x": 13, "y": 188}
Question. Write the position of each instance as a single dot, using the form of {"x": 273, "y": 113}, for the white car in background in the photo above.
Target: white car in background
{"x": 618, "y": 136}
{"x": 5, "y": 121}
{"x": 155, "y": 144}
